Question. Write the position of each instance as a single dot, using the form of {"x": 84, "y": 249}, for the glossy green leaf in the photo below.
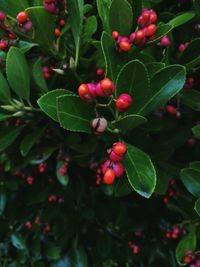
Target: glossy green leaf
{"x": 4, "y": 117}
{"x": 44, "y": 26}
{"x": 196, "y": 131}
{"x": 13, "y": 7}
{"x": 74, "y": 114}
{"x": 62, "y": 179}
{"x": 190, "y": 57}
{"x": 5, "y": 95}
{"x": 137, "y": 9}
{"x": 191, "y": 179}
{"x": 38, "y": 75}
{"x": 52, "y": 251}
{"x": 40, "y": 154}
{"x": 47, "y": 102}
{"x": 140, "y": 171}
{"x": 128, "y": 123}
{"x": 121, "y": 17}
{"x": 89, "y": 29}
{"x": 122, "y": 187}
{"x": 165, "y": 84}
{"x": 8, "y": 136}
{"x": 18, "y": 73}
{"x": 18, "y": 242}
{"x": 188, "y": 243}
{"x": 133, "y": 79}
{"x": 191, "y": 98}
{"x": 79, "y": 257}
{"x": 103, "y": 7}
{"x": 29, "y": 141}
{"x": 181, "y": 19}
{"x": 113, "y": 60}
{"x": 154, "y": 67}
{"x": 75, "y": 8}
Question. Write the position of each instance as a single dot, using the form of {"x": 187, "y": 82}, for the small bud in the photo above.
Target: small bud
{"x": 99, "y": 125}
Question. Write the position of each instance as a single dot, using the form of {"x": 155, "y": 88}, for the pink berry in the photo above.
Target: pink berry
{"x": 123, "y": 102}
{"x": 2, "y": 16}
{"x": 99, "y": 125}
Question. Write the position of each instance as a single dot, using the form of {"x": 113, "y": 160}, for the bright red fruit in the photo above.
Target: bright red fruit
{"x": 109, "y": 177}
{"x": 22, "y": 17}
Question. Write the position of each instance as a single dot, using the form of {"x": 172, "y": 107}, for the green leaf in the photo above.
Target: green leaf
{"x": 137, "y": 9}
{"x": 121, "y": 17}
{"x": 165, "y": 84}
{"x": 62, "y": 179}
{"x": 52, "y": 251}
{"x": 76, "y": 8}
{"x": 190, "y": 57}
{"x": 103, "y": 7}
{"x": 191, "y": 179}
{"x": 5, "y": 95}
{"x": 133, "y": 79}
{"x": 29, "y": 140}
{"x": 2, "y": 199}
{"x": 74, "y": 114}
{"x": 113, "y": 60}
{"x": 161, "y": 31}
{"x": 188, "y": 243}
{"x": 128, "y": 123}
{"x": 140, "y": 171}
{"x": 122, "y": 187}
{"x": 196, "y": 131}
{"x": 47, "y": 102}
{"x": 8, "y": 136}
{"x": 18, "y": 72}
{"x": 154, "y": 67}
{"x": 13, "y": 7}
{"x": 18, "y": 242}
{"x": 181, "y": 19}
{"x": 79, "y": 257}
{"x": 38, "y": 75}
{"x": 197, "y": 206}
{"x": 89, "y": 29}
{"x": 44, "y": 26}
{"x": 191, "y": 98}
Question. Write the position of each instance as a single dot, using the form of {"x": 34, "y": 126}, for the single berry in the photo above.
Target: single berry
{"x": 124, "y": 46}
{"x": 22, "y": 17}
{"x": 57, "y": 32}
{"x": 84, "y": 93}
{"x": 29, "y": 225}
{"x": 150, "y": 30}
{"x": 99, "y": 125}
{"x": 164, "y": 42}
{"x": 171, "y": 109}
{"x": 30, "y": 180}
{"x": 105, "y": 88}
{"x": 62, "y": 22}
{"x": 115, "y": 34}
{"x": 109, "y": 177}
{"x": 123, "y": 102}
{"x": 2, "y": 16}
{"x": 117, "y": 152}
{"x": 3, "y": 45}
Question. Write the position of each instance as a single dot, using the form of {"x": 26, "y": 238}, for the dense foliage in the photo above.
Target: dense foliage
{"x": 99, "y": 133}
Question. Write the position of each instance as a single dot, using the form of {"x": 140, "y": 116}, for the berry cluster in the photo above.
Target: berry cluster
{"x": 175, "y": 232}
{"x": 112, "y": 167}
{"x": 192, "y": 259}
{"x": 172, "y": 191}
{"x": 146, "y": 32}
{"x": 55, "y": 199}
{"x": 60, "y": 25}
{"x": 6, "y": 42}
{"x": 64, "y": 169}
{"x": 47, "y": 72}
{"x": 24, "y": 23}
{"x": 135, "y": 248}
{"x": 55, "y": 6}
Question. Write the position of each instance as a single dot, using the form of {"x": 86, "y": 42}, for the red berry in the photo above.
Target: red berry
{"x": 109, "y": 177}
{"x": 3, "y": 45}
{"x": 30, "y": 180}
{"x": 123, "y": 102}
{"x": 171, "y": 109}
{"x": 153, "y": 17}
{"x": 99, "y": 72}
{"x": 150, "y": 30}
{"x": 2, "y": 16}
{"x": 29, "y": 225}
{"x": 107, "y": 86}
{"x": 119, "y": 148}
{"x": 62, "y": 22}
{"x": 47, "y": 75}
{"x": 115, "y": 34}
{"x": 57, "y": 32}
{"x": 124, "y": 46}
{"x": 22, "y": 17}
{"x": 187, "y": 259}
{"x": 84, "y": 92}
{"x": 117, "y": 167}
{"x": 139, "y": 36}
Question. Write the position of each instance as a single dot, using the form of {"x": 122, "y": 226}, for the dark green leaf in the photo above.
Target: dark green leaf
{"x": 196, "y": 4}
{"x": 188, "y": 243}
{"x": 52, "y": 251}
{"x": 122, "y": 187}
{"x": 164, "y": 85}
{"x": 128, "y": 123}
{"x": 191, "y": 98}
{"x": 121, "y": 17}
{"x": 47, "y": 102}
{"x": 154, "y": 67}
{"x": 13, "y": 7}
{"x": 195, "y": 165}
{"x": 89, "y": 29}
{"x": 190, "y": 57}
{"x": 38, "y": 75}
{"x": 75, "y": 8}
{"x": 196, "y": 131}
{"x": 18, "y": 73}
{"x": 5, "y": 95}
{"x": 2, "y": 199}
{"x": 140, "y": 171}
{"x": 74, "y": 114}
{"x": 103, "y": 7}
{"x": 197, "y": 206}
{"x": 79, "y": 257}
{"x": 18, "y": 242}
{"x": 8, "y": 136}
{"x": 133, "y": 79}
{"x": 137, "y": 9}
{"x": 4, "y": 117}
{"x": 191, "y": 179}
{"x": 181, "y": 19}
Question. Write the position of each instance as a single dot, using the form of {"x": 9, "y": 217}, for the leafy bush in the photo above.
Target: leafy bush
{"x": 99, "y": 137}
